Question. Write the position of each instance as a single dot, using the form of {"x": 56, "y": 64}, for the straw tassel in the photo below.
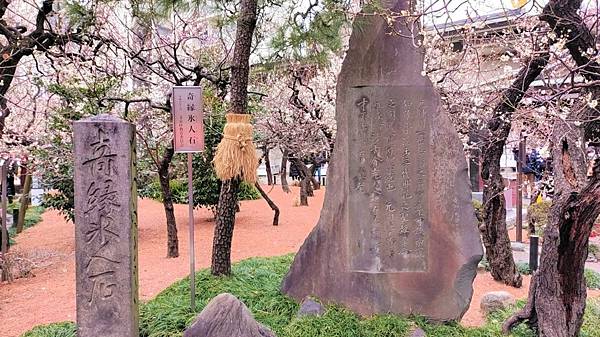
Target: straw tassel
{"x": 236, "y": 153}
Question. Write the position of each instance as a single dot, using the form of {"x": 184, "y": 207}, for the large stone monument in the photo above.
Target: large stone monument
{"x": 397, "y": 232}
{"x": 106, "y": 228}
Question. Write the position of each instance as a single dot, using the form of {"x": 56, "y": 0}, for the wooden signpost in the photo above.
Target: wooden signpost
{"x": 188, "y": 137}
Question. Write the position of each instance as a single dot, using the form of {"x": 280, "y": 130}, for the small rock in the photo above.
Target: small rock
{"x": 226, "y": 316}
{"x": 496, "y": 300}
{"x": 310, "y": 308}
{"x": 591, "y": 258}
{"x": 518, "y": 246}
{"x": 418, "y": 332}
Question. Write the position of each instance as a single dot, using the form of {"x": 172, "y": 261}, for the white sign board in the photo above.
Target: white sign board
{"x": 188, "y": 126}
{"x": 457, "y": 13}
{"x": 452, "y": 13}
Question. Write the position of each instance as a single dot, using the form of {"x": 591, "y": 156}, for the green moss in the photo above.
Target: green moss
{"x": 256, "y": 282}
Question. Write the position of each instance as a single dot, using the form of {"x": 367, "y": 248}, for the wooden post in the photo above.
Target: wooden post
{"x": 533, "y": 252}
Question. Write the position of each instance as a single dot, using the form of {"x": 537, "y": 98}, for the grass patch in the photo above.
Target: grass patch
{"x": 592, "y": 279}
{"x": 591, "y": 328}
{"x": 64, "y": 329}
{"x": 522, "y": 267}
{"x": 256, "y": 282}
{"x": 33, "y": 216}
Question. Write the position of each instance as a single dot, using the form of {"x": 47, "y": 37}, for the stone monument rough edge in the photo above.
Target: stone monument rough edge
{"x": 316, "y": 262}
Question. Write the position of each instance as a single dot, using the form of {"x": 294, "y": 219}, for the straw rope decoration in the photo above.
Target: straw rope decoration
{"x": 236, "y": 153}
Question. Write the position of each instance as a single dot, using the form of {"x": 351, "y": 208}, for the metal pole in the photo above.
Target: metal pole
{"x": 533, "y": 252}
{"x": 520, "y": 162}
{"x": 191, "y": 225}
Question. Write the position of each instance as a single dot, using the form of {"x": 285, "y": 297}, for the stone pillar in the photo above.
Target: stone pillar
{"x": 106, "y": 227}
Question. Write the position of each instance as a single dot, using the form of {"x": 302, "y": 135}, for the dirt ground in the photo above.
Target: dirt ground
{"x": 50, "y": 295}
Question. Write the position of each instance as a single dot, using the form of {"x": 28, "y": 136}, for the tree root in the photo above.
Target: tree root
{"x": 527, "y": 314}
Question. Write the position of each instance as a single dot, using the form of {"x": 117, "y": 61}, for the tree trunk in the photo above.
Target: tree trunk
{"x": 25, "y": 201}
{"x": 268, "y": 165}
{"x": 224, "y": 224}
{"x": 493, "y": 229}
{"x": 310, "y": 191}
{"x": 240, "y": 67}
{"x": 167, "y": 200}
{"x": 283, "y": 172}
{"x": 304, "y": 183}
{"x": 271, "y": 204}
{"x": 315, "y": 182}
{"x": 306, "y": 173}
{"x": 22, "y": 175}
{"x": 557, "y": 294}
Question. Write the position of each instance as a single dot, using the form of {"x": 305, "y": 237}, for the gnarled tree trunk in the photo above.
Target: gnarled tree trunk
{"x": 240, "y": 67}
{"x": 557, "y": 294}
{"x": 167, "y": 201}
{"x": 493, "y": 229}
{"x": 308, "y": 183}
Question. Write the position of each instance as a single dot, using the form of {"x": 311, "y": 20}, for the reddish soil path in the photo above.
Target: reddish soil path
{"x": 50, "y": 295}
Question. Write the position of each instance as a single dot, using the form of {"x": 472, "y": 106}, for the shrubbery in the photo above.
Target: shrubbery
{"x": 538, "y": 214}
{"x": 32, "y": 218}
{"x": 55, "y": 155}
{"x": 478, "y": 210}
{"x": 179, "y": 189}
{"x": 594, "y": 250}
{"x": 152, "y": 190}
{"x": 592, "y": 279}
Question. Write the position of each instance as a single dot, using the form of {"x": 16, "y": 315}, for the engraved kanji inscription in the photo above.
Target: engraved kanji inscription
{"x": 388, "y": 135}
